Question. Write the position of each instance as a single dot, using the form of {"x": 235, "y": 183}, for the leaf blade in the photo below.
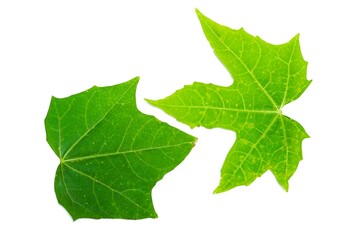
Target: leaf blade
{"x": 266, "y": 77}
{"x": 111, "y": 155}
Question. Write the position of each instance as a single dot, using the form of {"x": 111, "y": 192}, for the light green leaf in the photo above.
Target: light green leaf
{"x": 266, "y": 77}
{"x": 111, "y": 154}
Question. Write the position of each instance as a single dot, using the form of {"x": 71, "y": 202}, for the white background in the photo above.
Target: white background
{"x": 63, "y": 47}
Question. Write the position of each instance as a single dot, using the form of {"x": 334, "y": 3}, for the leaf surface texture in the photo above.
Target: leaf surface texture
{"x": 111, "y": 154}
{"x": 265, "y": 78}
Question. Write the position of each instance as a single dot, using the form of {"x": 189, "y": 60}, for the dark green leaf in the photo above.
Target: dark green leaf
{"x": 111, "y": 155}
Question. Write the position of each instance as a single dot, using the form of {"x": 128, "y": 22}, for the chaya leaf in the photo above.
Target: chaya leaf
{"x": 266, "y": 77}
{"x": 111, "y": 154}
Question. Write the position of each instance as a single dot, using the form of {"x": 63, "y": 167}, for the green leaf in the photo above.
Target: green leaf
{"x": 266, "y": 77}
{"x": 111, "y": 154}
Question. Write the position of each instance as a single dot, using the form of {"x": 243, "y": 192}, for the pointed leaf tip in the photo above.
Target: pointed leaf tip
{"x": 286, "y": 187}
{"x": 217, "y": 191}
{"x": 198, "y": 11}
{"x": 137, "y": 78}
{"x": 151, "y": 102}
{"x": 201, "y": 16}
